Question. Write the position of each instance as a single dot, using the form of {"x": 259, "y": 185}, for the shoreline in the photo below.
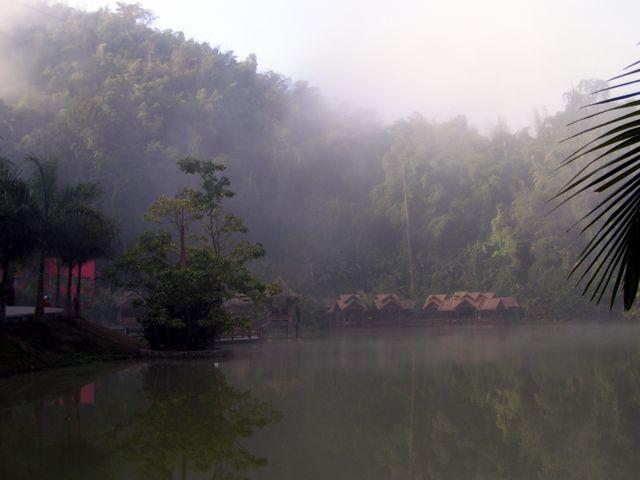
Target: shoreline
{"x": 29, "y": 347}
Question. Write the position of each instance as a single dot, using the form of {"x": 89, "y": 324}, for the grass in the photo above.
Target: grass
{"x": 30, "y": 345}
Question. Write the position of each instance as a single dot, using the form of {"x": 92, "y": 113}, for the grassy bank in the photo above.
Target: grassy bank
{"x": 29, "y": 346}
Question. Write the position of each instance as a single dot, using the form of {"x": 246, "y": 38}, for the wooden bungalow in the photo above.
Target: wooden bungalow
{"x": 499, "y": 309}
{"x": 348, "y": 309}
{"x": 458, "y": 308}
{"x": 388, "y": 307}
{"x": 464, "y": 305}
{"x": 491, "y": 308}
{"x": 432, "y": 305}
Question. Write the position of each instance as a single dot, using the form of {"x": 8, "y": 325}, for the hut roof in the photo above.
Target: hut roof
{"x": 435, "y": 299}
{"x": 449, "y": 305}
{"x": 386, "y": 300}
{"x": 348, "y": 301}
{"x": 491, "y": 304}
{"x": 456, "y": 303}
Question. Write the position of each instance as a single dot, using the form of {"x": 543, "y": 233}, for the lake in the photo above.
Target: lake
{"x": 528, "y": 402}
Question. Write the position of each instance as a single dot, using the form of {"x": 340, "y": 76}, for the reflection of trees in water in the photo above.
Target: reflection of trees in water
{"x": 193, "y": 421}
{"x": 544, "y": 415}
{"x": 185, "y": 419}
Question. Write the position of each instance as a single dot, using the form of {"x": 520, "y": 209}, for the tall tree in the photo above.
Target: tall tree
{"x": 183, "y": 300}
{"x": 57, "y": 210}
{"x": 86, "y": 234}
{"x": 179, "y": 212}
{"x": 17, "y": 233}
{"x": 44, "y": 190}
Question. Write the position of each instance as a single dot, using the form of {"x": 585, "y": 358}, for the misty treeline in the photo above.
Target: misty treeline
{"x": 337, "y": 198}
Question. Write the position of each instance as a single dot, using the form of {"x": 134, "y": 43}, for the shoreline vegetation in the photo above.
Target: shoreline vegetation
{"x": 32, "y": 346}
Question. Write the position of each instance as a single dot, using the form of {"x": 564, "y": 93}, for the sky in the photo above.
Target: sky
{"x": 491, "y": 60}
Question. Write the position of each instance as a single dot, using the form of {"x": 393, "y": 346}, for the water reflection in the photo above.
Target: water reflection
{"x": 564, "y": 404}
{"x": 196, "y": 421}
{"x": 539, "y": 403}
{"x": 161, "y": 421}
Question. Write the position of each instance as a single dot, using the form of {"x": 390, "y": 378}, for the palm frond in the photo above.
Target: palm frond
{"x": 610, "y": 261}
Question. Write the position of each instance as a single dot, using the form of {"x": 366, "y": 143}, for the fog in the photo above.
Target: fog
{"x": 327, "y": 240}
{"x": 492, "y": 60}
{"x": 335, "y": 175}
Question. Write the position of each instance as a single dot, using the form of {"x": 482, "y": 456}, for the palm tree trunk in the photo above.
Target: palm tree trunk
{"x": 78, "y": 289}
{"x": 39, "y": 313}
{"x": 57, "y": 283}
{"x": 68, "y": 309}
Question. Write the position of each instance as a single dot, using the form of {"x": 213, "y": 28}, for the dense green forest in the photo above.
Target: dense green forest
{"x": 340, "y": 200}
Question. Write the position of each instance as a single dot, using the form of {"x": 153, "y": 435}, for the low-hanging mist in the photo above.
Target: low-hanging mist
{"x": 324, "y": 189}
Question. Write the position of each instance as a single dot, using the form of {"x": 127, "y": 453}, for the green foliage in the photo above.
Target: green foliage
{"x": 182, "y": 298}
{"x": 194, "y": 421}
{"x": 611, "y": 257}
{"x": 17, "y": 228}
{"x": 69, "y": 226}
{"x": 120, "y": 102}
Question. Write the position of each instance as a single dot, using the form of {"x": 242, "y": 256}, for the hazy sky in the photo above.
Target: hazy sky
{"x": 488, "y": 59}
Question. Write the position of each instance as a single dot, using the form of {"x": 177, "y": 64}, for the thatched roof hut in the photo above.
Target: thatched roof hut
{"x": 348, "y": 302}
{"x": 387, "y": 301}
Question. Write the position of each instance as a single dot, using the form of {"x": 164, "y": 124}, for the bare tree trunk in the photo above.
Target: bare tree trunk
{"x": 183, "y": 245}
{"x": 57, "y": 283}
{"x": 39, "y": 313}
{"x": 68, "y": 309}
{"x": 407, "y": 213}
{"x": 78, "y": 289}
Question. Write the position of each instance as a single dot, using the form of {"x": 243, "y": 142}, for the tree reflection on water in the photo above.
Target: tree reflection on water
{"x": 194, "y": 421}
{"x": 161, "y": 421}
{"x": 564, "y": 405}
{"x": 545, "y": 404}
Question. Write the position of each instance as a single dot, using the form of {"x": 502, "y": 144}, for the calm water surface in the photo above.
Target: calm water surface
{"x": 522, "y": 403}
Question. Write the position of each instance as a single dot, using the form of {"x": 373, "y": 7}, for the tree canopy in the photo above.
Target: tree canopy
{"x": 324, "y": 189}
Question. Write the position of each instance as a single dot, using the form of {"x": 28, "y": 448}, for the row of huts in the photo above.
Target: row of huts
{"x": 461, "y": 307}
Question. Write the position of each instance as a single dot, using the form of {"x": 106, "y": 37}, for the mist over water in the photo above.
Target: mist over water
{"x": 530, "y": 402}
{"x": 345, "y": 211}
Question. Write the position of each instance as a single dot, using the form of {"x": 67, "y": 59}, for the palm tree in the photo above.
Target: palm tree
{"x": 56, "y": 209}
{"x": 17, "y": 238}
{"x": 611, "y": 258}
{"x": 44, "y": 190}
{"x": 86, "y": 234}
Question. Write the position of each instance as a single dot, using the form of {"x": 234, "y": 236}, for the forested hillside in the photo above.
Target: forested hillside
{"x": 325, "y": 190}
